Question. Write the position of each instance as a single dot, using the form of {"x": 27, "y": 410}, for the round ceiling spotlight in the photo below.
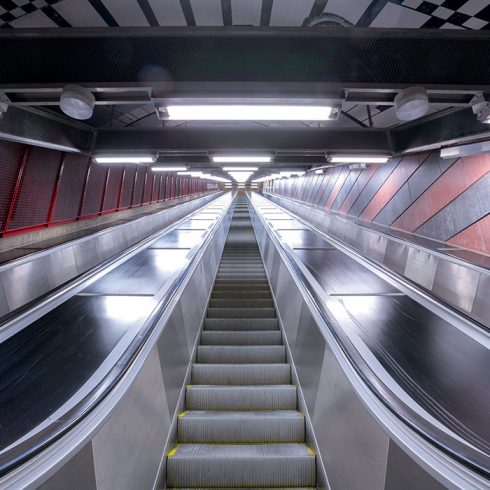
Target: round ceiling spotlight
{"x": 77, "y": 102}
{"x": 411, "y": 103}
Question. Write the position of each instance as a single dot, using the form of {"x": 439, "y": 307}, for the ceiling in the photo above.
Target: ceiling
{"x": 358, "y": 52}
{"x": 434, "y": 14}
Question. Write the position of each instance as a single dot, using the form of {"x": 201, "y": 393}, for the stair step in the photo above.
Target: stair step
{"x": 241, "y": 324}
{"x": 241, "y": 313}
{"x": 241, "y": 374}
{"x": 273, "y": 337}
{"x": 241, "y": 427}
{"x": 240, "y": 303}
{"x": 262, "y": 397}
{"x": 241, "y": 286}
{"x": 230, "y": 294}
{"x": 257, "y": 354}
{"x": 240, "y": 465}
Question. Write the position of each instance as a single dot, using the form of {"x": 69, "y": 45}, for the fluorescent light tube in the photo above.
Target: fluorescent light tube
{"x": 169, "y": 169}
{"x": 234, "y": 112}
{"x": 319, "y": 171}
{"x": 125, "y": 159}
{"x": 240, "y": 169}
{"x": 242, "y": 159}
{"x": 358, "y": 159}
{"x": 192, "y": 174}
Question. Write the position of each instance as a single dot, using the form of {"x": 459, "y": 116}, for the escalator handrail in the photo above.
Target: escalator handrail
{"x": 41, "y": 440}
{"x": 416, "y": 421}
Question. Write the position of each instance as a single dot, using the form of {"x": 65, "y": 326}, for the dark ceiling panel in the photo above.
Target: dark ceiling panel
{"x": 337, "y": 56}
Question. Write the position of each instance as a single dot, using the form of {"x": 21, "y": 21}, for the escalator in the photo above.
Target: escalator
{"x": 241, "y": 426}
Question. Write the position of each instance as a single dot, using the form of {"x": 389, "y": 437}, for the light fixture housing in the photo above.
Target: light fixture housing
{"x": 241, "y": 158}
{"x": 240, "y": 169}
{"x": 77, "y": 102}
{"x": 169, "y": 168}
{"x": 138, "y": 159}
{"x": 466, "y": 150}
{"x": 245, "y": 112}
{"x": 411, "y": 103}
{"x": 358, "y": 158}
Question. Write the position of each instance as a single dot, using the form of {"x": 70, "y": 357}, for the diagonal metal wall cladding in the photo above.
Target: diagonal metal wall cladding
{"x": 335, "y": 55}
{"x": 35, "y": 127}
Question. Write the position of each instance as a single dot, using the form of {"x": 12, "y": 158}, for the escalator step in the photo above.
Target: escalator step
{"x": 240, "y": 303}
{"x": 241, "y": 338}
{"x": 241, "y": 313}
{"x": 261, "y": 397}
{"x": 241, "y": 374}
{"x": 241, "y": 465}
{"x": 257, "y": 354}
{"x": 240, "y": 427}
{"x": 241, "y": 324}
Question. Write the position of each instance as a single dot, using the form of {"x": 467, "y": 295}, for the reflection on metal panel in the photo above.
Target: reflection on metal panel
{"x": 128, "y": 436}
{"x": 420, "y": 268}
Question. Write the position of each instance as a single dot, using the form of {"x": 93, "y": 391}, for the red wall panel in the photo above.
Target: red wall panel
{"x": 70, "y": 187}
{"x": 36, "y": 188}
{"x": 111, "y": 195}
{"x": 94, "y": 190}
{"x": 127, "y": 190}
{"x": 11, "y": 155}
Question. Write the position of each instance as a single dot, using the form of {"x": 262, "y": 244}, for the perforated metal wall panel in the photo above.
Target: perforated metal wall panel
{"x": 127, "y": 190}
{"x": 139, "y": 186}
{"x": 148, "y": 186}
{"x": 10, "y": 159}
{"x": 93, "y": 190}
{"x": 112, "y": 189}
{"x": 70, "y": 187}
{"x": 36, "y": 188}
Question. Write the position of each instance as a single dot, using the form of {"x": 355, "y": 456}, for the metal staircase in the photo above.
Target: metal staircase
{"x": 241, "y": 427}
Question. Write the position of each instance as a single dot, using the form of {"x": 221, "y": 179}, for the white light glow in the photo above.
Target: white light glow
{"x": 319, "y": 171}
{"x": 240, "y": 176}
{"x": 240, "y": 169}
{"x": 248, "y": 112}
{"x": 241, "y": 159}
{"x": 126, "y": 159}
{"x": 169, "y": 169}
{"x": 358, "y": 159}
{"x": 192, "y": 174}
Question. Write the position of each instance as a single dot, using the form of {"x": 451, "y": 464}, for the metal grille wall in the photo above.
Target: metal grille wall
{"x": 41, "y": 188}
{"x": 446, "y": 200}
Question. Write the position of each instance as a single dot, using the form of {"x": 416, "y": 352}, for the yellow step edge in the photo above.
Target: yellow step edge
{"x": 173, "y": 451}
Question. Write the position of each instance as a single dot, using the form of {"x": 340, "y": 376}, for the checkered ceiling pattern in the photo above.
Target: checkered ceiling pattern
{"x": 443, "y": 14}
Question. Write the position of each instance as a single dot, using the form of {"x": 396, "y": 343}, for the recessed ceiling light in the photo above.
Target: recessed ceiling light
{"x": 77, "y": 102}
{"x": 358, "y": 159}
{"x": 125, "y": 159}
{"x": 411, "y": 103}
{"x": 238, "y": 169}
{"x": 241, "y": 158}
{"x": 242, "y": 112}
{"x": 169, "y": 169}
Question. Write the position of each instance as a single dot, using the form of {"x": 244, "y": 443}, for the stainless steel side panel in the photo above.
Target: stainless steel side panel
{"x": 127, "y": 437}
{"x": 454, "y": 281}
{"x": 30, "y": 277}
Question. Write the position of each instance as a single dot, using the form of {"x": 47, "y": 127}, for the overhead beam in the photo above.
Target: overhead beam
{"x": 182, "y": 140}
{"x": 35, "y": 127}
{"x": 449, "y": 129}
{"x": 338, "y": 57}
